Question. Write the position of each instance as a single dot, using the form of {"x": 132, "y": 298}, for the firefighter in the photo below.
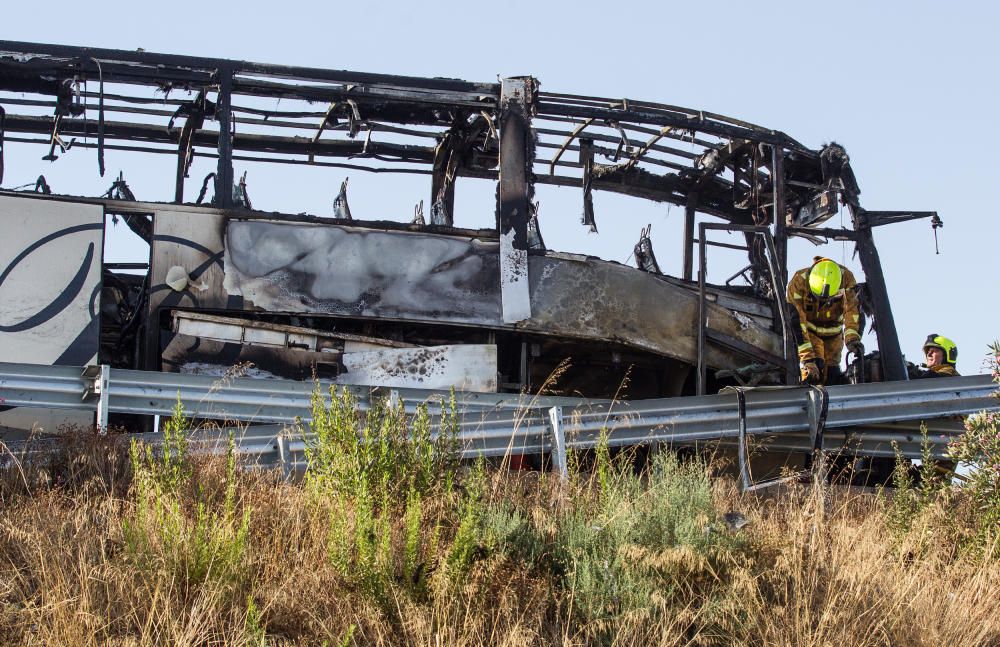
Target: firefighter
{"x": 825, "y": 317}
{"x": 940, "y": 355}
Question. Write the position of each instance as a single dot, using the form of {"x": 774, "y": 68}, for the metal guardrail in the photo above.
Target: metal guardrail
{"x": 863, "y": 419}
{"x": 231, "y": 399}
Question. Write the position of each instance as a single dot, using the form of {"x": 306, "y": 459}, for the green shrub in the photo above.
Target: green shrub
{"x": 914, "y": 492}
{"x": 375, "y": 470}
{"x": 979, "y": 449}
{"x": 631, "y": 550}
{"x": 469, "y": 538}
{"x": 617, "y": 543}
{"x": 381, "y": 452}
{"x": 510, "y": 532}
{"x": 904, "y": 502}
{"x": 170, "y": 532}
{"x": 253, "y": 624}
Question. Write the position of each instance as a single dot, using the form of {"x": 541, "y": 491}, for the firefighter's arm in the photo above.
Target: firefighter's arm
{"x": 852, "y": 315}
{"x": 796, "y": 294}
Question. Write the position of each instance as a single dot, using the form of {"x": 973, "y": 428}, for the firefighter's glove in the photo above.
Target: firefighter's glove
{"x": 913, "y": 371}
{"x": 856, "y": 347}
{"x": 811, "y": 373}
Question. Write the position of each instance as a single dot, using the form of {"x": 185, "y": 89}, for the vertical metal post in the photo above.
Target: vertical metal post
{"x": 587, "y": 162}
{"x": 224, "y": 115}
{"x": 893, "y": 363}
{"x": 523, "y": 372}
{"x": 780, "y": 233}
{"x": 702, "y": 310}
{"x": 780, "y": 255}
{"x": 819, "y": 403}
{"x": 688, "y": 250}
{"x": 784, "y": 315}
{"x": 101, "y": 387}
{"x": 284, "y": 457}
{"x": 558, "y": 442}
{"x": 442, "y": 186}
{"x": 742, "y": 447}
{"x": 515, "y": 188}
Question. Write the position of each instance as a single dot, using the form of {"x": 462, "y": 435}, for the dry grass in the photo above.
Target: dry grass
{"x": 810, "y": 568}
{"x": 831, "y": 573}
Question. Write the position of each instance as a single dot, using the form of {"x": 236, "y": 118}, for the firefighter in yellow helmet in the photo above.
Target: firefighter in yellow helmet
{"x": 825, "y": 316}
{"x": 940, "y": 355}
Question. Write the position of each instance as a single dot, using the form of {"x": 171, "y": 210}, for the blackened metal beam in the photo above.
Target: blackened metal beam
{"x": 453, "y": 148}
{"x": 878, "y": 218}
{"x": 780, "y": 226}
{"x": 159, "y": 61}
{"x": 823, "y": 232}
{"x": 516, "y": 96}
{"x": 224, "y": 115}
{"x": 742, "y": 347}
{"x": 668, "y": 119}
{"x": 702, "y": 312}
{"x": 442, "y": 195}
{"x": 669, "y": 192}
{"x": 43, "y": 76}
{"x": 893, "y": 362}
{"x": 715, "y": 243}
{"x": 135, "y": 132}
{"x": 587, "y": 161}
{"x": 414, "y": 99}
{"x": 688, "y": 250}
{"x": 492, "y": 175}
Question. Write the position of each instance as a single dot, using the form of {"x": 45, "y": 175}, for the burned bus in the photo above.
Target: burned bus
{"x": 424, "y": 302}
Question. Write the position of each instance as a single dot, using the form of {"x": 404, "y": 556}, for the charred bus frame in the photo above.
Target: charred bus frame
{"x": 758, "y": 181}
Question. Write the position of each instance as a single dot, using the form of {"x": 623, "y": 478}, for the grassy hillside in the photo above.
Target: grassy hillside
{"x": 393, "y": 542}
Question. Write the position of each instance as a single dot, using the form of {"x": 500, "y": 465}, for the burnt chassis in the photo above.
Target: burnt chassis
{"x": 609, "y": 320}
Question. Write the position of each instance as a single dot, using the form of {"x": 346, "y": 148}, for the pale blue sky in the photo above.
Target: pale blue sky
{"x": 909, "y": 88}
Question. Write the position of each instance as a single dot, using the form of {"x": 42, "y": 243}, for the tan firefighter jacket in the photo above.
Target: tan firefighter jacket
{"x": 944, "y": 369}
{"x": 824, "y": 318}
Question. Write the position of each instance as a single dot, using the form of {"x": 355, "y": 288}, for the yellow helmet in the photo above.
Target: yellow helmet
{"x": 947, "y": 346}
{"x": 825, "y": 278}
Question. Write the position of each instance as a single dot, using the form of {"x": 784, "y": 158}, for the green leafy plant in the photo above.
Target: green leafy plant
{"x": 914, "y": 490}
{"x": 643, "y": 538}
{"x": 254, "y": 624}
{"x": 979, "y": 450}
{"x": 373, "y": 470}
{"x": 177, "y": 532}
{"x": 468, "y": 535}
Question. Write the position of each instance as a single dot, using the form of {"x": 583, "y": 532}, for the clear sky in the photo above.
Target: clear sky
{"x": 909, "y": 88}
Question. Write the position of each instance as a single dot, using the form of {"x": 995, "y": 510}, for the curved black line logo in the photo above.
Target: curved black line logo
{"x": 68, "y": 294}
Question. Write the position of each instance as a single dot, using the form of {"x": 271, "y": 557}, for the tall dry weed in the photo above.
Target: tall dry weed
{"x": 388, "y": 545}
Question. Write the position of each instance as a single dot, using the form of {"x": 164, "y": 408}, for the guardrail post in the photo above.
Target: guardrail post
{"x": 102, "y": 404}
{"x": 559, "y": 441}
{"x": 743, "y": 450}
{"x": 283, "y": 456}
{"x": 819, "y": 403}
{"x": 97, "y": 379}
